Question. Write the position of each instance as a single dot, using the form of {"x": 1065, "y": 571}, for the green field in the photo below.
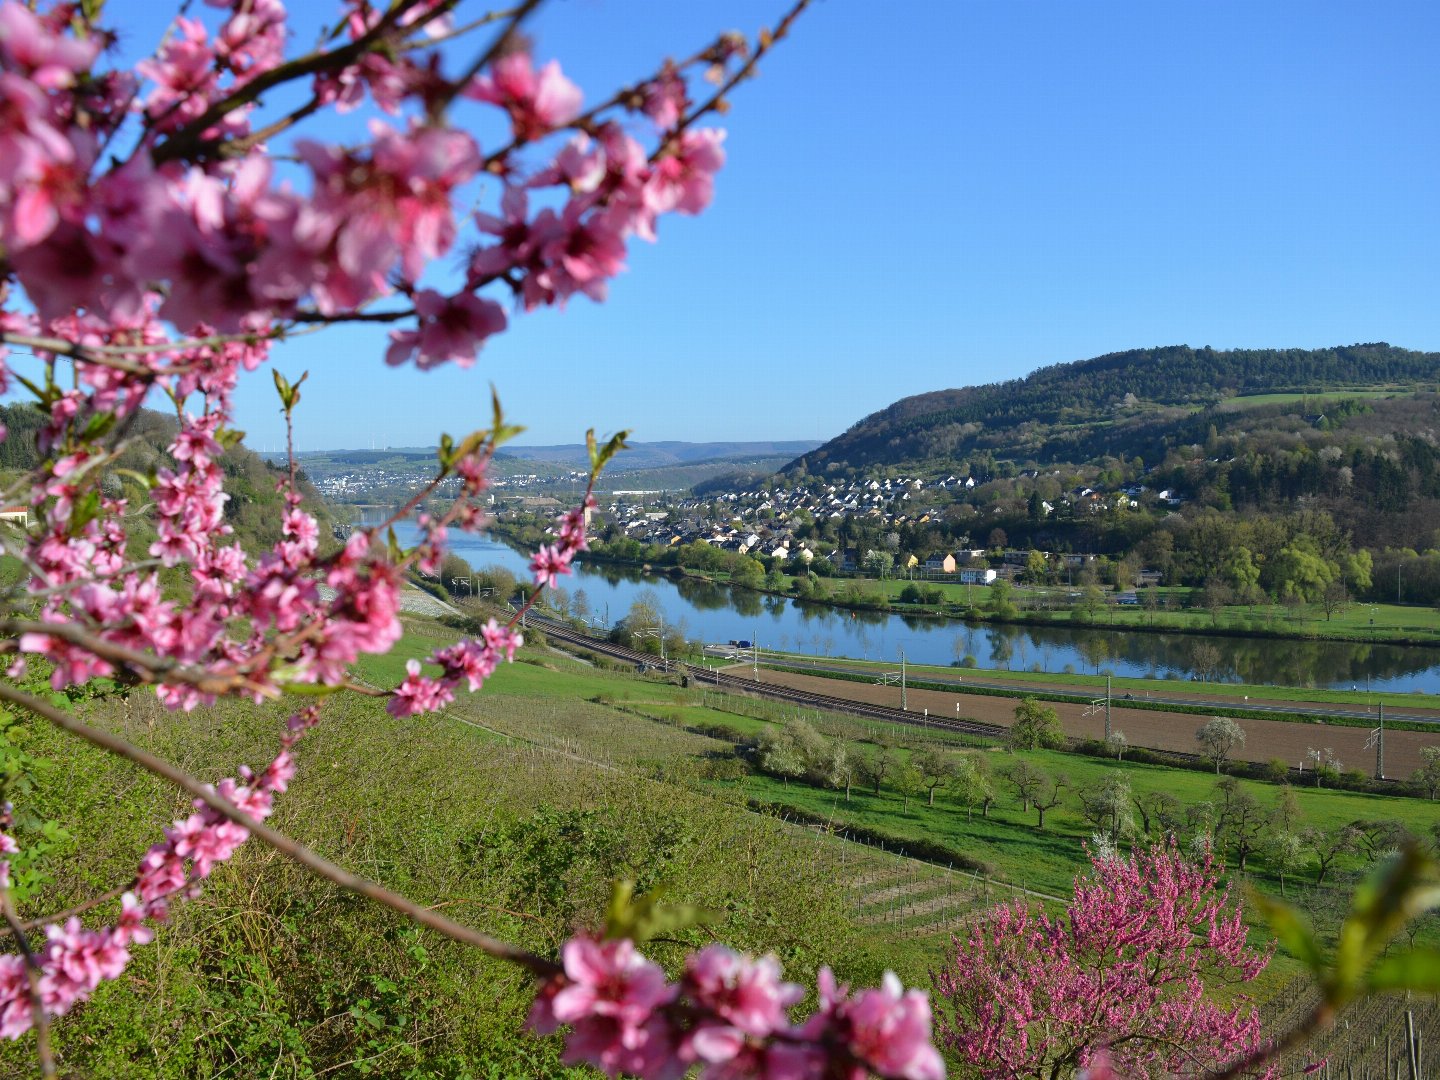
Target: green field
{"x": 514, "y": 810}
{"x": 1317, "y": 401}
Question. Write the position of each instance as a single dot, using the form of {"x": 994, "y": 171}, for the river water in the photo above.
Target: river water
{"x": 714, "y": 613}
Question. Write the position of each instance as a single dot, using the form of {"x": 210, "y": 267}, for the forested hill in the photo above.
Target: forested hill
{"x": 253, "y": 509}
{"x": 1117, "y": 404}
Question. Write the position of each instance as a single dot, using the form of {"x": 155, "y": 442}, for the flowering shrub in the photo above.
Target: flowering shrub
{"x": 1121, "y": 971}
{"x": 151, "y": 241}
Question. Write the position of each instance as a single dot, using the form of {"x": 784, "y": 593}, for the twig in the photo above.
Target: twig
{"x": 1321, "y": 1016}
{"x": 766, "y": 43}
{"x": 437, "y": 107}
{"x": 32, "y": 972}
{"x": 292, "y": 849}
{"x": 78, "y": 909}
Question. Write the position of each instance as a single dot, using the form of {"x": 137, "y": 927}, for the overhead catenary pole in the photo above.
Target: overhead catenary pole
{"x": 904, "y": 701}
{"x": 1380, "y": 746}
{"x": 1107, "y": 707}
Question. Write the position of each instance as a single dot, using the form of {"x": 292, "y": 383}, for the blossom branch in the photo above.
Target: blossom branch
{"x": 39, "y": 1017}
{"x": 77, "y": 909}
{"x": 187, "y": 144}
{"x": 291, "y": 849}
{"x": 764, "y": 44}
{"x": 437, "y": 107}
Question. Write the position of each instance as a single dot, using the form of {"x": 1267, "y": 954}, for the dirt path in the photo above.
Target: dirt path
{"x": 1264, "y": 739}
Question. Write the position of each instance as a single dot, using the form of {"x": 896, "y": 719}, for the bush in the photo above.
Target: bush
{"x": 725, "y": 768}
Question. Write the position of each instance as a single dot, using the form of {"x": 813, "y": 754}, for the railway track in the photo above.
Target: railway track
{"x": 823, "y": 702}
{"x": 1279, "y": 708}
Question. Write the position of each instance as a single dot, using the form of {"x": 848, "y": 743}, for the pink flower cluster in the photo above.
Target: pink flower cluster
{"x": 728, "y": 1014}
{"x": 469, "y": 661}
{"x": 1121, "y": 972}
{"x": 74, "y": 960}
{"x": 550, "y": 561}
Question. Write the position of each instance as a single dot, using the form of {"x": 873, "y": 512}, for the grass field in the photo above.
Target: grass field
{"x": 1316, "y": 401}
{"x": 515, "y": 808}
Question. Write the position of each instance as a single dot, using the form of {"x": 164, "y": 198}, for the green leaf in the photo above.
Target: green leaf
{"x": 229, "y": 437}
{"x": 395, "y": 550}
{"x": 86, "y": 510}
{"x": 503, "y": 432}
{"x": 307, "y": 689}
{"x": 1293, "y": 930}
{"x": 99, "y": 426}
{"x": 1383, "y": 903}
{"x": 1414, "y": 969}
{"x": 45, "y": 398}
{"x": 645, "y": 918}
{"x": 140, "y": 478}
{"x": 289, "y": 392}
{"x": 598, "y": 458}
{"x": 471, "y": 443}
{"x": 446, "y": 452}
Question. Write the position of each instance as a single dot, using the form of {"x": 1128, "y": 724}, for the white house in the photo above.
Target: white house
{"x": 978, "y": 576}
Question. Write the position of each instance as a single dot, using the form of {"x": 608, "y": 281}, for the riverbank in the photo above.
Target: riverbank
{"x": 1357, "y": 624}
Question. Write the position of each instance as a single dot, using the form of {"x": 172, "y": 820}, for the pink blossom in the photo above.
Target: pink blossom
{"x": 50, "y": 60}
{"x": 538, "y": 102}
{"x": 664, "y": 98}
{"x": 185, "y": 75}
{"x": 586, "y": 251}
{"x": 450, "y": 328}
{"x": 889, "y": 1029}
{"x": 418, "y": 694}
{"x": 746, "y": 993}
{"x": 518, "y": 239}
{"x": 684, "y": 179}
{"x": 548, "y": 564}
{"x": 610, "y": 998}
{"x": 580, "y": 166}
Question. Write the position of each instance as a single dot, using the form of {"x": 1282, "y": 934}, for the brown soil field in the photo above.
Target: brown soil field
{"x": 1264, "y": 739}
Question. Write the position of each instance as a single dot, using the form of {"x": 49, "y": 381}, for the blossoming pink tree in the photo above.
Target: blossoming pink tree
{"x": 154, "y": 245}
{"x": 1119, "y": 974}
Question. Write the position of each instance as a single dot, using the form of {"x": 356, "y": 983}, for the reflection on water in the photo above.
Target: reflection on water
{"x": 718, "y": 613}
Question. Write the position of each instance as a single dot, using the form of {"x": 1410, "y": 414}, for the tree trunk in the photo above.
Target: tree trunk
{"x": 847, "y": 794}
{"x": 932, "y": 796}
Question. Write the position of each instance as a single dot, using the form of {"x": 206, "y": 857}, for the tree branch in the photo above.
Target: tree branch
{"x": 291, "y": 849}
{"x": 32, "y": 974}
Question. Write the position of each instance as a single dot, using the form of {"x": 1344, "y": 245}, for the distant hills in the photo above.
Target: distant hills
{"x": 1124, "y": 404}
{"x": 658, "y": 455}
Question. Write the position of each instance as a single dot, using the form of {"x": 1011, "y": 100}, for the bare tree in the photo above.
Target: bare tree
{"x": 1219, "y": 737}
{"x": 1047, "y": 794}
{"x": 936, "y": 770}
{"x": 1025, "y": 779}
{"x": 879, "y": 763}
{"x": 1327, "y": 845}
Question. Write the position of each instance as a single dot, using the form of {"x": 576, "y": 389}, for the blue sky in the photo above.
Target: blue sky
{"x": 944, "y": 192}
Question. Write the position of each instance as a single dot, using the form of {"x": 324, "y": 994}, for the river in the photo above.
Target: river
{"x": 711, "y": 613}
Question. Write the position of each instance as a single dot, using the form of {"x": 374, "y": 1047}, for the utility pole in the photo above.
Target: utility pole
{"x": 1380, "y": 746}
{"x": 904, "y": 700}
{"x": 1107, "y": 707}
